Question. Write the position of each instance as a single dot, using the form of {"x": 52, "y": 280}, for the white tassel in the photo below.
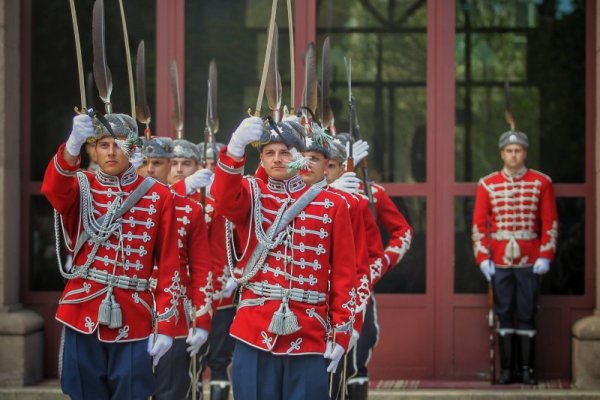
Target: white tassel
{"x": 116, "y": 317}
{"x": 512, "y": 250}
{"x": 104, "y": 311}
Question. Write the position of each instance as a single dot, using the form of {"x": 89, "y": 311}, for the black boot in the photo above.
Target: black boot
{"x": 527, "y": 360}
{"x": 219, "y": 391}
{"x": 506, "y": 358}
{"x": 358, "y": 390}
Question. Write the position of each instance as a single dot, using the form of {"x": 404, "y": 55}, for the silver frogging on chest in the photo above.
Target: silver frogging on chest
{"x": 284, "y": 321}
{"x": 98, "y": 231}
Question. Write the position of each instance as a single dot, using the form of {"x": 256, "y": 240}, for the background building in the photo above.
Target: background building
{"x": 428, "y": 78}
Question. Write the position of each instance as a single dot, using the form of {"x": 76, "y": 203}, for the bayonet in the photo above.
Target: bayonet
{"x": 310, "y": 93}
{"x": 177, "y": 112}
{"x": 142, "y": 110}
{"x": 508, "y": 115}
{"x": 354, "y": 130}
{"x": 325, "y": 107}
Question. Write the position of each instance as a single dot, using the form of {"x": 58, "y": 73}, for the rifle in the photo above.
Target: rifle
{"x": 354, "y": 130}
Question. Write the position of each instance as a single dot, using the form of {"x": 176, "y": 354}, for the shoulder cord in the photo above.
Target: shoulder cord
{"x": 263, "y": 238}
{"x": 105, "y": 229}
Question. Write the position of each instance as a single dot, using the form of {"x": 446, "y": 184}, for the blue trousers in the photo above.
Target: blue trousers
{"x": 220, "y": 344}
{"x": 172, "y": 373}
{"x": 515, "y": 297}
{"x": 260, "y": 375}
{"x": 92, "y": 369}
{"x": 360, "y": 355}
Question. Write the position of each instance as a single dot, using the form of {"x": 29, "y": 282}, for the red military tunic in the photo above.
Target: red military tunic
{"x": 522, "y": 218}
{"x": 362, "y": 284}
{"x": 314, "y": 266}
{"x": 401, "y": 233}
{"x": 216, "y": 239}
{"x": 195, "y": 285}
{"x": 119, "y": 272}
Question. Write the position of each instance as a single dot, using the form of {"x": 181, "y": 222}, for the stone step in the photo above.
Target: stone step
{"x": 54, "y": 393}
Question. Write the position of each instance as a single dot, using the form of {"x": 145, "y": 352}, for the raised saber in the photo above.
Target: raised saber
{"x": 292, "y": 66}
{"x": 128, "y": 57}
{"x": 177, "y": 114}
{"x": 263, "y": 79}
{"x": 102, "y": 75}
{"x": 79, "y": 58}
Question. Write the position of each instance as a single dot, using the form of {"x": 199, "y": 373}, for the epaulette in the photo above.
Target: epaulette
{"x": 489, "y": 176}
{"x": 541, "y": 173}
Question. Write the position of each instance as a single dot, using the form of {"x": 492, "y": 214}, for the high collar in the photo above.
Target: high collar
{"x": 126, "y": 178}
{"x": 292, "y": 185}
{"x": 517, "y": 175}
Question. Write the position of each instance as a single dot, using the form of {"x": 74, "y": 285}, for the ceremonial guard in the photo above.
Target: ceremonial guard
{"x": 386, "y": 215}
{"x": 220, "y": 344}
{"x": 297, "y": 296}
{"x": 514, "y": 234}
{"x": 118, "y": 225}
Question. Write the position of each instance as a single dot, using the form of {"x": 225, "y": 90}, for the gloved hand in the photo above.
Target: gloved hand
{"x": 348, "y": 182}
{"x": 136, "y": 158}
{"x": 230, "y": 286}
{"x": 196, "y": 338}
{"x": 212, "y": 179}
{"x": 197, "y": 180}
{"x": 360, "y": 149}
{"x": 488, "y": 268}
{"x": 353, "y": 339}
{"x": 250, "y": 130}
{"x": 83, "y": 128}
{"x": 158, "y": 346}
{"x": 334, "y": 353}
{"x": 541, "y": 266}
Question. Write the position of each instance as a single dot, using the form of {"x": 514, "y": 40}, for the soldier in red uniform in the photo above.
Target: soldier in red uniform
{"x": 297, "y": 252}
{"x": 514, "y": 234}
{"x": 194, "y": 286}
{"x": 118, "y": 225}
{"x": 400, "y": 232}
{"x": 220, "y": 344}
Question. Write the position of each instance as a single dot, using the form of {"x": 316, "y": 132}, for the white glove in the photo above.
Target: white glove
{"x": 334, "y": 353}
{"x": 197, "y": 180}
{"x": 348, "y": 182}
{"x": 212, "y": 179}
{"x": 158, "y": 347}
{"x": 353, "y": 339}
{"x": 541, "y": 266}
{"x": 360, "y": 149}
{"x": 230, "y": 286}
{"x": 488, "y": 268}
{"x": 136, "y": 158}
{"x": 83, "y": 128}
{"x": 196, "y": 338}
{"x": 250, "y": 130}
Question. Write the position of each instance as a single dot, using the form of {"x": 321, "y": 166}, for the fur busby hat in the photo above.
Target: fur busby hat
{"x": 291, "y": 133}
{"x": 513, "y": 137}
{"x": 158, "y": 147}
{"x": 212, "y": 150}
{"x": 185, "y": 149}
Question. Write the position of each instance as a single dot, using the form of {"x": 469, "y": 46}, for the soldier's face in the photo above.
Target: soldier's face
{"x": 111, "y": 159}
{"x": 335, "y": 169}
{"x": 514, "y": 156}
{"x": 274, "y": 158}
{"x": 143, "y": 169}
{"x": 318, "y": 165}
{"x": 159, "y": 168}
{"x": 182, "y": 168}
